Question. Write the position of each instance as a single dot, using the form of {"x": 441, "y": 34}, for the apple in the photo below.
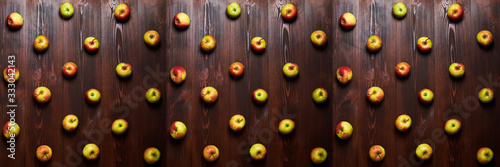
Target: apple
{"x": 237, "y": 122}
{"x": 91, "y": 44}
{"x": 424, "y": 151}
{"x": 402, "y": 69}
{"x": 181, "y": 21}
{"x": 344, "y": 74}
{"x": 399, "y": 10}
{"x": 93, "y": 96}
{"x": 455, "y": 12}
{"x": 286, "y": 126}
{"x": 178, "y": 74}
{"x": 259, "y": 96}
{"x": 452, "y": 126}
{"x": 11, "y": 130}
{"x": 91, "y": 152}
{"x": 69, "y": 69}
{"x": 122, "y": 12}
{"x": 290, "y": 70}
{"x": 11, "y": 74}
{"x": 210, "y": 153}
{"x": 457, "y": 70}
{"x": 484, "y": 155}
{"x": 318, "y": 155}
{"x": 70, "y": 122}
{"x": 258, "y": 44}
{"x": 153, "y": 95}
{"x": 484, "y": 38}
{"x": 207, "y": 43}
{"x": 289, "y": 12}
{"x": 43, "y": 153}
{"x": 486, "y": 95}
{"x": 151, "y": 155}
{"x": 403, "y": 122}
{"x": 236, "y": 69}
{"x": 375, "y": 95}
{"x": 42, "y": 94}
{"x": 66, "y": 10}
{"x": 425, "y": 96}
{"x": 119, "y": 126}
{"x": 320, "y": 95}
{"x": 178, "y": 130}
{"x": 152, "y": 38}
{"x": 209, "y": 94}
{"x": 344, "y": 130}
{"x": 318, "y": 38}
{"x": 123, "y": 70}
{"x": 233, "y": 10}
{"x": 41, "y": 43}
{"x": 258, "y": 152}
{"x": 374, "y": 43}
{"x": 347, "y": 21}
{"x": 15, "y": 21}
{"x": 377, "y": 153}
{"x": 424, "y": 44}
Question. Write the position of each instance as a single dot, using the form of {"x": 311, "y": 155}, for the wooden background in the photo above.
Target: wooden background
{"x": 286, "y": 42}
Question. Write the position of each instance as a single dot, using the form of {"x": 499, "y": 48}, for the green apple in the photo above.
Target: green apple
{"x": 70, "y": 122}
{"x": 151, "y": 155}
{"x": 286, "y": 126}
{"x": 375, "y": 95}
{"x": 452, "y": 126}
{"x": 425, "y": 96}
{"x": 377, "y": 153}
{"x": 122, "y": 12}
{"x": 259, "y": 96}
{"x": 233, "y": 10}
{"x": 374, "y": 43}
{"x": 290, "y": 70}
{"x": 318, "y": 38}
{"x": 318, "y": 155}
{"x": 11, "y": 130}
{"x": 399, "y": 10}
{"x": 153, "y": 95}
{"x": 152, "y": 38}
{"x": 210, "y": 153}
{"x": 123, "y": 70}
{"x": 66, "y": 10}
{"x": 320, "y": 95}
{"x": 289, "y": 12}
{"x": 209, "y": 94}
{"x": 403, "y": 122}
{"x": 237, "y": 122}
{"x": 91, "y": 152}
{"x": 119, "y": 126}
{"x": 258, "y": 152}
{"x": 43, "y": 153}
{"x": 484, "y": 38}
{"x": 344, "y": 130}
{"x": 457, "y": 70}
{"x": 41, "y": 43}
{"x": 486, "y": 95}
{"x": 178, "y": 130}
{"x": 455, "y": 12}
{"x": 424, "y": 151}
{"x": 484, "y": 155}
{"x": 93, "y": 96}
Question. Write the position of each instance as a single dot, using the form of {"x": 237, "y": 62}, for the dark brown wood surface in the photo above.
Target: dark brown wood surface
{"x": 286, "y": 42}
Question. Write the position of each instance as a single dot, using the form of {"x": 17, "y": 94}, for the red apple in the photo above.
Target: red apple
{"x": 69, "y": 69}
{"x": 122, "y": 12}
{"x": 347, "y": 20}
{"x": 11, "y": 74}
{"x": 403, "y": 69}
{"x": 289, "y": 12}
{"x": 424, "y": 44}
{"x": 455, "y": 12}
{"x": 258, "y": 44}
{"x": 178, "y": 74}
{"x": 236, "y": 69}
{"x": 344, "y": 74}
{"x": 181, "y": 21}
{"x": 15, "y": 21}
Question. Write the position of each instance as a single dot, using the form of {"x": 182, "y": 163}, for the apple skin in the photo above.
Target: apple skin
{"x": 424, "y": 44}
{"x": 403, "y": 123}
{"x": 151, "y": 38}
{"x": 43, "y": 153}
{"x": 455, "y": 12}
{"x": 42, "y": 94}
{"x": 319, "y": 38}
{"x": 399, "y": 10}
{"x": 259, "y": 96}
{"x": 457, "y": 70}
{"x": 377, "y": 153}
{"x": 93, "y": 96}
{"x": 181, "y": 21}
{"x": 286, "y": 126}
{"x": 403, "y": 69}
{"x": 452, "y": 126}
{"x": 178, "y": 130}
{"x": 344, "y": 130}
{"x": 236, "y": 69}
{"x": 11, "y": 129}
{"x": 123, "y": 70}
{"x": 151, "y": 155}
{"x": 119, "y": 126}
{"x": 424, "y": 151}
{"x": 237, "y": 122}
{"x": 258, "y": 44}
{"x": 374, "y": 43}
{"x": 486, "y": 95}
{"x": 258, "y": 152}
{"x": 484, "y": 155}
{"x": 320, "y": 95}
{"x": 425, "y": 96}
{"x": 375, "y": 95}
{"x": 69, "y": 69}
{"x": 209, "y": 95}
{"x": 91, "y": 44}
{"x": 41, "y": 43}
{"x": 10, "y": 70}
{"x": 91, "y": 152}
{"x": 233, "y": 10}
{"x": 318, "y": 155}
{"x": 291, "y": 70}
{"x": 484, "y": 38}
{"x": 344, "y": 74}
{"x": 70, "y": 123}
{"x": 66, "y": 10}
{"x": 153, "y": 95}
{"x": 289, "y": 12}
{"x": 347, "y": 21}
{"x": 178, "y": 74}
{"x": 122, "y": 12}
{"x": 210, "y": 153}
{"x": 15, "y": 21}
{"x": 208, "y": 43}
